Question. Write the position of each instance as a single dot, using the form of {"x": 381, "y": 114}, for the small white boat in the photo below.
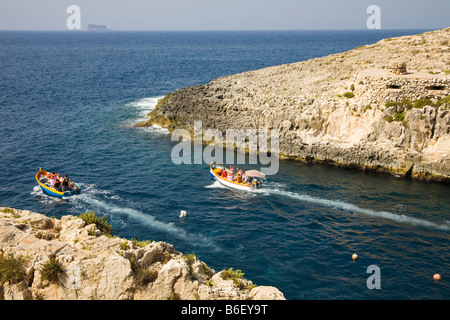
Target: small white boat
{"x": 217, "y": 170}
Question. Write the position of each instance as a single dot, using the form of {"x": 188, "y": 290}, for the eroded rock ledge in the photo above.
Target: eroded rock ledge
{"x": 383, "y": 107}
{"x": 97, "y": 267}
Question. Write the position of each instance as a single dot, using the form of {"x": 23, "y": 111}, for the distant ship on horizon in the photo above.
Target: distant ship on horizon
{"x": 96, "y": 27}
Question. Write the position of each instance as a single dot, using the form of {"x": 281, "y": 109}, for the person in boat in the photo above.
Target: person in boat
{"x": 224, "y": 174}
{"x": 65, "y": 185}
{"x": 52, "y": 179}
{"x": 256, "y": 182}
{"x": 230, "y": 175}
{"x": 57, "y": 183}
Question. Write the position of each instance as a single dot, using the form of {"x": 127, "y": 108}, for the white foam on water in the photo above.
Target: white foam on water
{"x": 216, "y": 185}
{"x": 136, "y": 214}
{"x": 42, "y": 197}
{"x": 90, "y": 188}
{"x": 37, "y": 191}
{"x": 156, "y": 129}
{"x": 354, "y": 208}
{"x": 145, "y": 105}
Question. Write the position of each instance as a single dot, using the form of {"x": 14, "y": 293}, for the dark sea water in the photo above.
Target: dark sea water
{"x": 68, "y": 102}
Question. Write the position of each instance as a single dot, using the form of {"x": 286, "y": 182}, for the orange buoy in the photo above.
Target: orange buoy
{"x": 355, "y": 256}
{"x": 437, "y": 276}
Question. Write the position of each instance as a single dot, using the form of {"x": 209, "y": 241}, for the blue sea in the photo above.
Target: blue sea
{"x": 69, "y": 101}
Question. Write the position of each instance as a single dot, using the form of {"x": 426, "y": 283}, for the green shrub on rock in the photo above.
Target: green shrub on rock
{"x": 12, "y": 269}
{"x": 51, "y": 270}
{"x": 349, "y": 94}
{"x": 102, "y": 224}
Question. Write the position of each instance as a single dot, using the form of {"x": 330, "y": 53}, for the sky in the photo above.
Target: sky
{"x": 160, "y": 15}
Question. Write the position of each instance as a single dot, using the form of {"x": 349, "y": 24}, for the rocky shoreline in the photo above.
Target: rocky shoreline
{"x": 383, "y": 107}
{"x": 44, "y": 258}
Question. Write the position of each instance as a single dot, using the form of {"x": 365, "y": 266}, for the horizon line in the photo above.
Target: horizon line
{"x": 221, "y": 30}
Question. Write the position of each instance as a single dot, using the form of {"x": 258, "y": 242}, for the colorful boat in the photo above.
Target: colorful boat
{"x": 216, "y": 171}
{"x": 41, "y": 178}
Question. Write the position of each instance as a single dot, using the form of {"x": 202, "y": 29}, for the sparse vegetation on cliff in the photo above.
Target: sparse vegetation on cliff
{"x": 101, "y": 223}
{"x": 349, "y": 94}
{"x": 420, "y": 103}
{"x": 51, "y": 270}
{"x": 58, "y": 267}
{"x": 12, "y": 269}
{"x": 237, "y": 276}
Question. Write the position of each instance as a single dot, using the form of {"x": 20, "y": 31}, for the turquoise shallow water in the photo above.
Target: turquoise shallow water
{"x": 68, "y": 102}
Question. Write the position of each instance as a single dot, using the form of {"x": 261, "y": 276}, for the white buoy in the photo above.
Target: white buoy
{"x": 182, "y": 214}
{"x": 355, "y": 256}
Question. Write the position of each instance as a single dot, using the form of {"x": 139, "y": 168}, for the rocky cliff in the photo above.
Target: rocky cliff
{"x": 47, "y": 258}
{"x": 383, "y": 107}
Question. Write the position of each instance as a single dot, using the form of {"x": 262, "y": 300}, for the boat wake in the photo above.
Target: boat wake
{"x": 216, "y": 185}
{"x": 349, "y": 207}
{"x": 144, "y": 218}
{"x": 43, "y": 198}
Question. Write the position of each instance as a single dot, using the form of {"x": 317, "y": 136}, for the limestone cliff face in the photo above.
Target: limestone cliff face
{"x": 359, "y": 108}
{"x": 96, "y": 267}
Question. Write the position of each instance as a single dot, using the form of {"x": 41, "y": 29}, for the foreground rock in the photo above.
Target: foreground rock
{"x": 383, "y": 107}
{"x": 94, "y": 266}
